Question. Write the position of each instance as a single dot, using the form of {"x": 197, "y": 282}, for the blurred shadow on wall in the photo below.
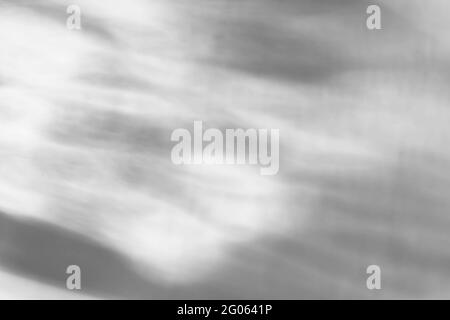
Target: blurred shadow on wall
{"x": 43, "y": 252}
{"x": 395, "y": 216}
{"x": 56, "y": 11}
{"x": 304, "y": 42}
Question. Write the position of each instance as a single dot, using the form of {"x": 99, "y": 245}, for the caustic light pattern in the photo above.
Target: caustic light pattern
{"x": 90, "y": 93}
